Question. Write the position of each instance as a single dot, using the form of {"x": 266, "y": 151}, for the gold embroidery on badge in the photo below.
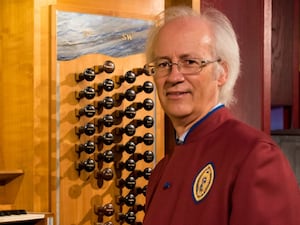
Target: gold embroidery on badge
{"x": 203, "y": 182}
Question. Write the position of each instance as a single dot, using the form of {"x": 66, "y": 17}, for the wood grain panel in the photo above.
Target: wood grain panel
{"x": 141, "y": 9}
{"x": 16, "y": 116}
{"x": 282, "y": 52}
{"x": 79, "y": 193}
{"x": 25, "y": 96}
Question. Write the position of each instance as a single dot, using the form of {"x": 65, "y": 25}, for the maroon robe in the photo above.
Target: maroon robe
{"x": 225, "y": 173}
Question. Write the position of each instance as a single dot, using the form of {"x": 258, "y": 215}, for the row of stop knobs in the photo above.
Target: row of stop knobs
{"x": 89, "y": 74}
{"x": 128, "y": 217}
{"x": 115, "y": 101}
{"x": 90, "y": 128}
{"x": 89, "y": 92}
{"x": 107, "y": 174}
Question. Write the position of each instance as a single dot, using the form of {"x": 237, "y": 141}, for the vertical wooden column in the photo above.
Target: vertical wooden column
{"x": 267, "y": 70}
{"x": 17, "y": 115}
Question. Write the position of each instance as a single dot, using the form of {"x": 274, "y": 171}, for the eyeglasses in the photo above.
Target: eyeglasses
{"x": 186, "y": 66}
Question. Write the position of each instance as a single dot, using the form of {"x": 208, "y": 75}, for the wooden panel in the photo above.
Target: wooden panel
{"x": 41, "y": 104}
{"x": 16, "y": 114}
{"x": 78, "y": 194}
{"x": 282, "y": 52}
{"x": 170, "y": 3}
{"x": 133, "y": 9}
{"x": 25, "y": 99}
{"x": 296, "y": 66}
{"x": 7, "y": 176}
{"x": 195, "y": 4}
{"x": 285, "y": 57}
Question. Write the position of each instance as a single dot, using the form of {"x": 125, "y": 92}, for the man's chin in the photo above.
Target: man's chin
{"x": 178, "y": 114}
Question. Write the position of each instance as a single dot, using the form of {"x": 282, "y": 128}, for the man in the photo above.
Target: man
{"x": 222, "y": 171}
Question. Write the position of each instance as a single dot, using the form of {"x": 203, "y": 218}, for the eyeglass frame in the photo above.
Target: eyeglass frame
{"x": 150, "y": 67}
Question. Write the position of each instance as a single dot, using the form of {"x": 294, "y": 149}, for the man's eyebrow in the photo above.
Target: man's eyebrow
{"x": 167, "y": 57}
{"x": 162, "y": 57}
{"x": 190, "y": 56}
{"x": 183, "y": 56}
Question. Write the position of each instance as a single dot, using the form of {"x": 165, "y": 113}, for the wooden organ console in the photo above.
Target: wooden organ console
{"x": 92, "y": 133}
{"x": 19, "y": 216}
{"x": 16, "y": 217}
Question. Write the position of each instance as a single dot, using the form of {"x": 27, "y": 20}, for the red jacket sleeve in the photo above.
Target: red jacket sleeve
{"x": 262, "y": 196}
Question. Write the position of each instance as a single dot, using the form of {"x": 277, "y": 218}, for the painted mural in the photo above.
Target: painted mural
{"x": 79, "y": 34}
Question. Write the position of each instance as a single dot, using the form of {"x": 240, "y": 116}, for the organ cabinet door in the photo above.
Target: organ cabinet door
{"x": 107, "y": 124}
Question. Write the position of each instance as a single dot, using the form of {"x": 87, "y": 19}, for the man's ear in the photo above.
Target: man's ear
{"x": 223, "y": 75}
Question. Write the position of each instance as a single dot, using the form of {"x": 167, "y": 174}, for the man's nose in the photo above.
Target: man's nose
{"x": 174, "y": 73}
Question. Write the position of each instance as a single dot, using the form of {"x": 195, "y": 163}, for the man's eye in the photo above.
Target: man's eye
{"x": 190, "y": 62}
{"x": 163, "y": 64}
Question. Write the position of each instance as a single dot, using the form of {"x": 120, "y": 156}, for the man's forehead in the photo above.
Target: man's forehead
{"x": 188, "y": 26}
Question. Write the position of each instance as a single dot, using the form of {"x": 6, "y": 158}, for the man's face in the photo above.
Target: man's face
{"x": 187, "y": 98}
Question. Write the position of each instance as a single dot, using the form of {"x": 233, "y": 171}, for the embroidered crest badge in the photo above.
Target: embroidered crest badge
{"x": 203, "y": 182}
